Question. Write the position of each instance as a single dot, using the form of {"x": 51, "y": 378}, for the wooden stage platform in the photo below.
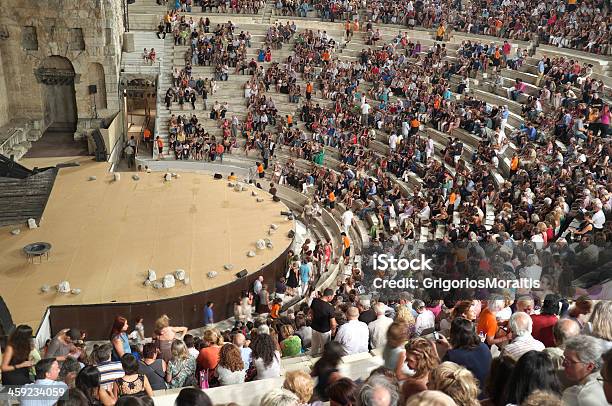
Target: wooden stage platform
{"x": 106, "y": 235}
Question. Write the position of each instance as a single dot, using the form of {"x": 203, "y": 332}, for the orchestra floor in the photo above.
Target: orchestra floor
{"x": 106, "y": 235}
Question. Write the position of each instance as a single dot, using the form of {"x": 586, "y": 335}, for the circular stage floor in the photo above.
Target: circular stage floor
{"x": 106, "y": 235}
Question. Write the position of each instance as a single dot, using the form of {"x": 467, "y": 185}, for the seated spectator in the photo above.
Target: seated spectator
{"x": 378, "y": 328}
{"x": 47, "y": 372}
{"x": 181, "y": 368}
{"x": 16, "y": 362}
{"x": 303, "y": 330}
{"x": 522, "y": 340}
{"x": 431, "y": 398}
{"x": 425, "y": 318}
{"x": 192, "y": 397}
{"x": 209, "y": 353}
{"x": 109, "y": 370}
{"x": 543, "y": 323}
{"x": 497, "y": 382}
{"x": 88, "y": 381}
{"x": 326, "y": 369}
{"x": 342, "y": 392}
{"x": 421, "y": 358}
{"x": 132, "y": 383}
{"x": 379, "y": 389}
{"x": 487, "y": 321}
{"x": 265, "y": 357}
{"x": 466, "y": 349}
{"x": 152, "y": 367}
{"x": 69, "y": 371}
{"x": 354, "y": 334}
{"x": 600, "y": 323}
{"x": 533, "y": 371}
{"x": 456, "y": 381}
{"x": 230, "y": 369}
{"x": 301, "y": 384}
{"x": 291, "y": 345}
{"x": 394, "y": 349}
{"x": 582, "y": 363}
{"x": 280, "y": 397}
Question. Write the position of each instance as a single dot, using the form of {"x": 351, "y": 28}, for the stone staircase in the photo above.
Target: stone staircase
{"x": 22, "y": 199}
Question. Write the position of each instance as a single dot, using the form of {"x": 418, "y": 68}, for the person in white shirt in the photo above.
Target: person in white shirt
{"x": 531, "y": 270}
{"x": 47, "y": 372}
{"x": 425, "y": 318}
{"x": 378, "y": 328}
{"x": 429, "y": 149}
{"x": 354, "y": 334}
{"x": 599, "y": 218}
{"x": 393, "y": 141}
{"x": 347, "y": 220}
{"x": 365, "y": 111}
{"x": 520, "y": 326}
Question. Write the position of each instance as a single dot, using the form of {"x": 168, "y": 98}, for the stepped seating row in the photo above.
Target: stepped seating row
{"x": 356, "y": 367}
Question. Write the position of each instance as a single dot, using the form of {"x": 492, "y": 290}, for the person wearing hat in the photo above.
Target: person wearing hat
{"x": 63, "y": 344}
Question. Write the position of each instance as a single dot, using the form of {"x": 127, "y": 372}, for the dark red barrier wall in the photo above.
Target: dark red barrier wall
{"x": 187, "y": 310}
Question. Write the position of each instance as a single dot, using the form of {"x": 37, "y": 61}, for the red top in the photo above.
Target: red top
{"x": 209, "y": 357}
{"x": 543, "y": 328}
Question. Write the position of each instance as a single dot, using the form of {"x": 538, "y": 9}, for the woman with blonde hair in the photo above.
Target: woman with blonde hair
{"x": 291, "y": 345}
{"x": 421, "y": 357}
{"x": 301, "y": 384}
{"x": 182, "y": 366}
{"x": 165, "y": 335}
{"x": 431, "y": 398}
{"x": 456, "y": 381}
{"x": 404, "y": 315}
{"x": 394, "y": 349}
{"x": 600, "y": 322}
{"x": 209, "y": 354}
{"x": 230, "y": 369}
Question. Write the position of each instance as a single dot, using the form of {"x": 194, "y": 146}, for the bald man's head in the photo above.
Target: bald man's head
{"x": 564, "y": 330}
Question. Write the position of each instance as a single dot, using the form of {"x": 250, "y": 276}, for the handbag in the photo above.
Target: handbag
{"x": 204, "y": 379}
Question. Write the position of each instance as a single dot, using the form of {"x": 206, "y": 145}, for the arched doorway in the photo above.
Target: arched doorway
{"x": 56, "y": 74}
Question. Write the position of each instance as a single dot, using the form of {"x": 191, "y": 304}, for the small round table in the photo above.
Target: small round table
{"x": 37, "y": 250}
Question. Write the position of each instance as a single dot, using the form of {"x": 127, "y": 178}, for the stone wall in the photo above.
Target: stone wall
{"x": 86, "y": 32}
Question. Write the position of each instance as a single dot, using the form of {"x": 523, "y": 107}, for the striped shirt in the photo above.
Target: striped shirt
{"x": 521, "y": 345}
{"x": 109, "y": 372}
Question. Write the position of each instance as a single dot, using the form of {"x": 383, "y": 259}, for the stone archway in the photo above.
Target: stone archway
{"x": 96, "y": 77}
{"x": 56, "y": 74}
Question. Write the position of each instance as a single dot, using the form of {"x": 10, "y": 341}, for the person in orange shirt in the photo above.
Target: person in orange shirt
{"x": 289, "y": 120}
{"x": 308, "y": 90}
{"x": 260, "y": 170}
{"x": 440, "y": 32}
{"x": 346, "y": 244}
{"x": 220, "y": 151}
{"x": 332, "y": 200}
{"x": 160, "y": 147}
{"x": 275, "y": 308}
{"x": 414, "y": 126}
{"x": 487, "y": 326}
{"x": 325, "y": 56}
{"x": 146, "y": 135}
{"x": 514, "y": 164}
